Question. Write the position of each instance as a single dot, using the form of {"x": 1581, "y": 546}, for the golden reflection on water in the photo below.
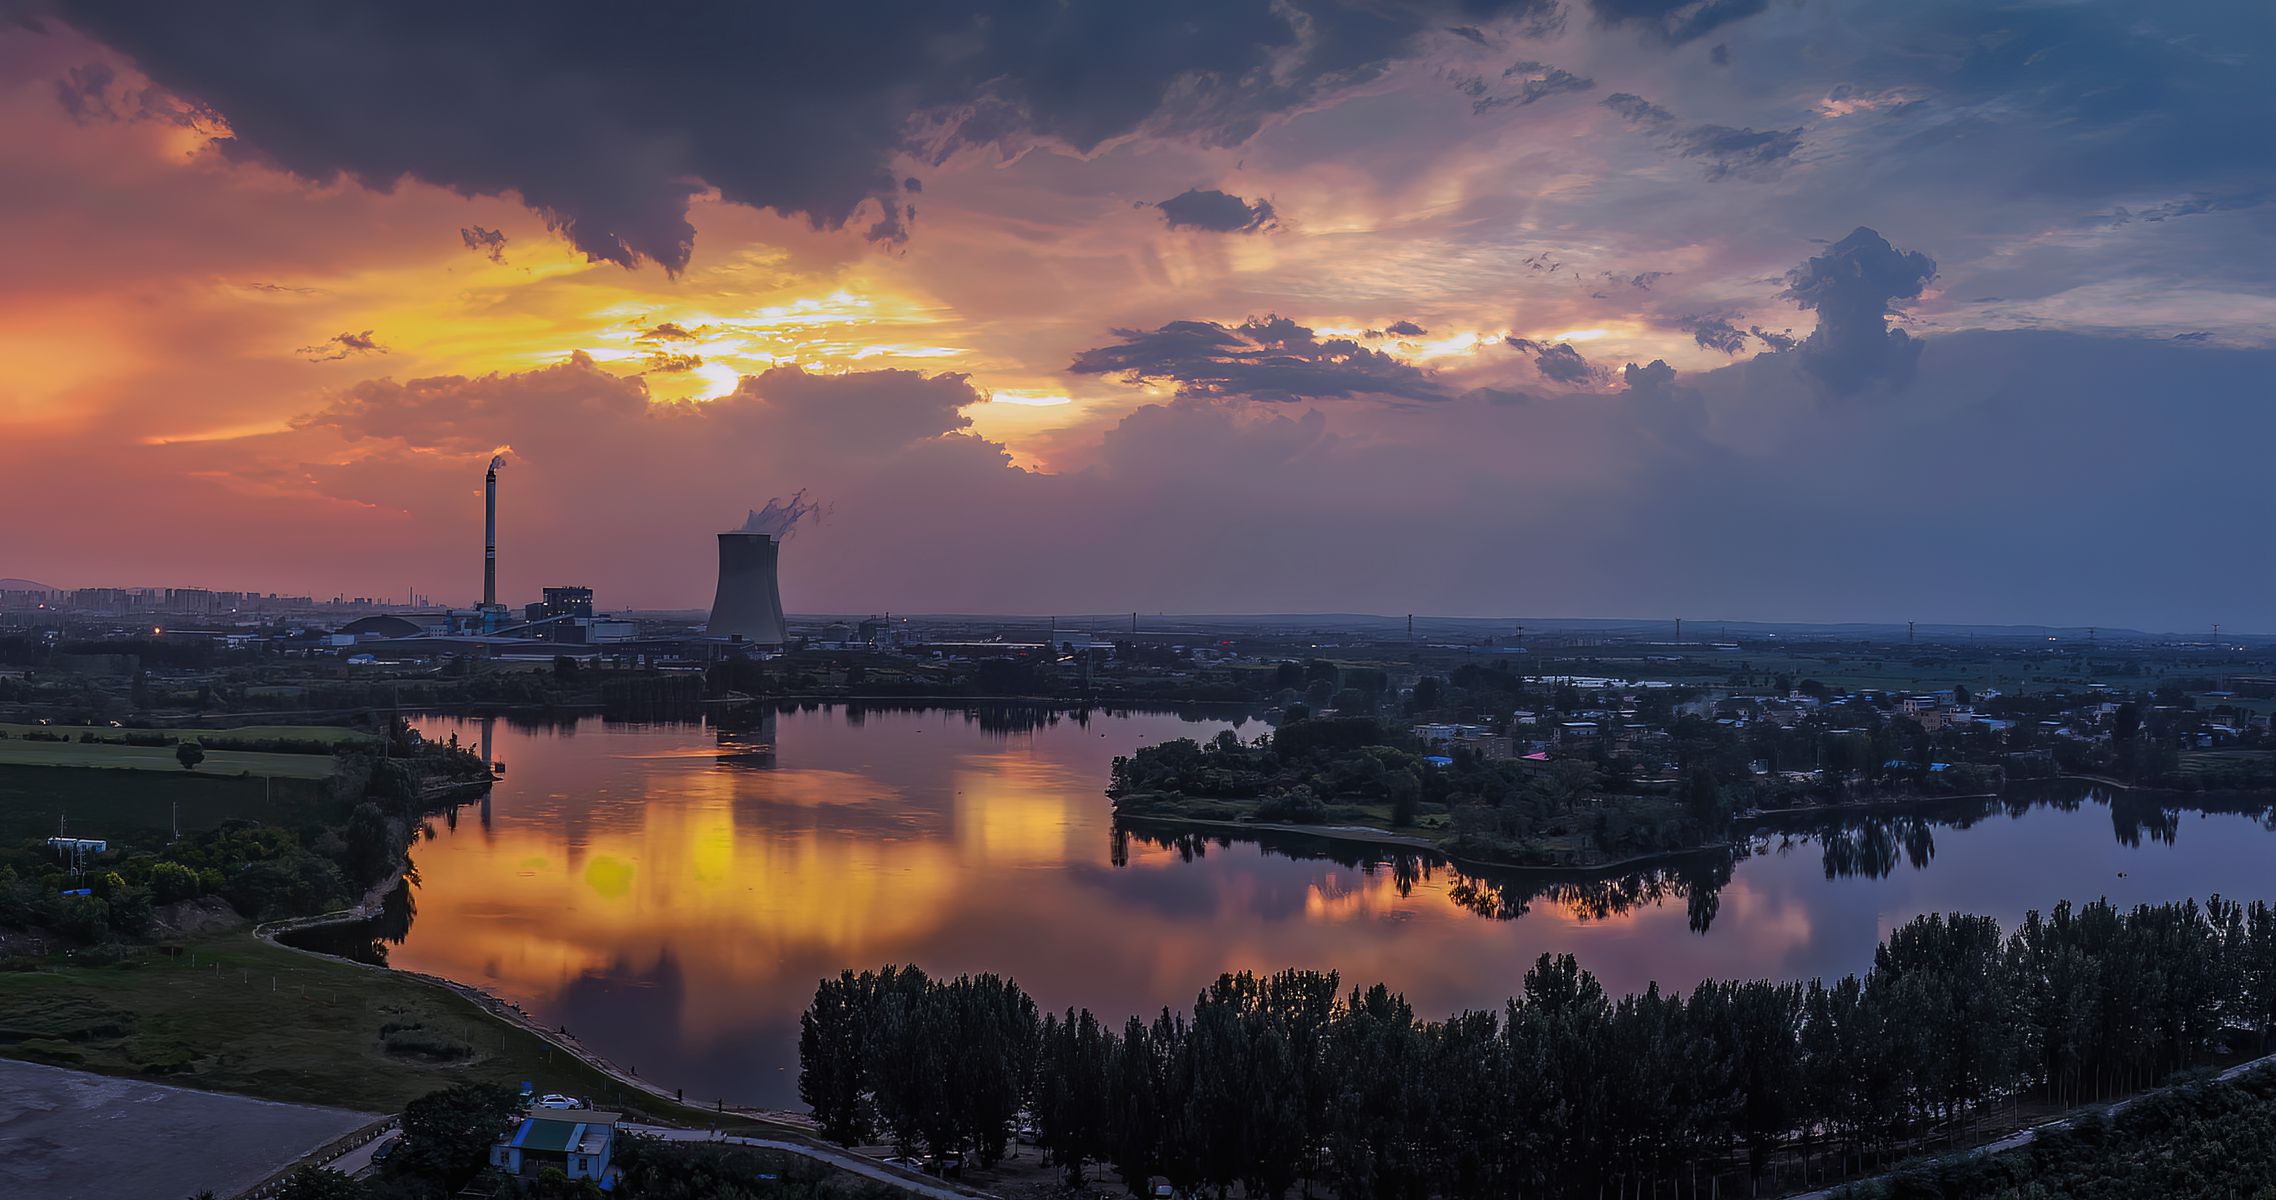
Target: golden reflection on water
{"x": 674, "y": 904}
{"x": 640, "y": 859}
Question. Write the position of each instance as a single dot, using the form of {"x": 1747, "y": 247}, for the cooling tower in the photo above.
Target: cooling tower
{"x": 749, "y": 603}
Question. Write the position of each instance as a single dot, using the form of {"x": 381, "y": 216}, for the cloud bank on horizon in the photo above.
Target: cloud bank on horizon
{"x": 1948, "y": 311}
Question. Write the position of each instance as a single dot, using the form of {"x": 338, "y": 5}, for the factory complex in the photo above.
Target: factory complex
{"x": 746, "y": 616}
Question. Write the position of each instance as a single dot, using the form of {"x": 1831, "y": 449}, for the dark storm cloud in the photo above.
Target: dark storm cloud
{"x": 1269, "y": 359}
{"x": 1722, "y": 151}
{"x": 1655, "y": 378}
{"x": 1216, "y": 212}
{"x": 342, "y": 345}
{"x": 2099, "y": 103}
{"x": 1563, "y": 364}
{"x": 665, "y": 331}
{"x": 1675, "y": 21}
{"x": 608, "y": 127}
{"x": 488, "y": 242}
{"x": 1854, "y": 286}
{"x": 1715, "y": 333}
{"x": 92, "y": 95}
{"x": 1778, "y": 341}
{"x": 1404, "y": 329}
{"x": 85, "y": 93}
{"x": 1527, "y": 82}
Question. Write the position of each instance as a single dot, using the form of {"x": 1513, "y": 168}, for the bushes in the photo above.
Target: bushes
{"x": 1297, "y": 807}
{"x": 417, "y": 1041}
{"x": 295, "y": 883}
{"x": 172, "y": 883}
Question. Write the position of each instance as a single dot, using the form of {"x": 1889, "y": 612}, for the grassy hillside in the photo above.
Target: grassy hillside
{"x": 236, "y": 1014}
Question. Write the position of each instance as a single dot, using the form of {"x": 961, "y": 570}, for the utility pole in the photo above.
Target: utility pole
{"x": 1679, "y": 631}
{"x": 1908, "y": 633}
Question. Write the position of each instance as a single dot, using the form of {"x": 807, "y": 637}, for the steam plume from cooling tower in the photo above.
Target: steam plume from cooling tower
{"x": 777, "y": 518}
{"x": 748, "y": 604}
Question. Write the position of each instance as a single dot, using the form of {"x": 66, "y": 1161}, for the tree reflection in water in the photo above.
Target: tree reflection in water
{"x": 1697, "y": 880}
{"x": 1869, "y": 846}
{"x": 366, "y": 941}
{"x": 1851, "y": 844}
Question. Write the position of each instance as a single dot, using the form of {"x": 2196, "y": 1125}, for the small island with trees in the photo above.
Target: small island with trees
{"x": 1490, "y": 767}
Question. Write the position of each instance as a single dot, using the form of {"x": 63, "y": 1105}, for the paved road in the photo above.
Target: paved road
{"x": 71, "y": 1135}
{"x": 2024, "y": 1137}
{"x": 844, "y": 1160}
{"x": 358, "y": 1160}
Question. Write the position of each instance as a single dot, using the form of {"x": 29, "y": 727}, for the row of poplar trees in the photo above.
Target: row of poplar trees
{"x": 1271, "y": 1082}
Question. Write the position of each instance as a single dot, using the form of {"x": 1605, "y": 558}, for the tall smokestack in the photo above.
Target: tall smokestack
{"x": 490, "y": 533}
{"x": 748, "y": 604}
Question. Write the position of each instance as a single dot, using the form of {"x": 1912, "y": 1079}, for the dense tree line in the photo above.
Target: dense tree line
{"x": 2217, "y": 1139}
{"x": 922, "y": 1061}
{"x": 1318, "y": 769}
{"x": 1565, "y": 1091}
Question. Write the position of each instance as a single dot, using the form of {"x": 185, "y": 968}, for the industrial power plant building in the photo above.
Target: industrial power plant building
{"x": 746, "y": 609}
{"x": 748, "y": 604}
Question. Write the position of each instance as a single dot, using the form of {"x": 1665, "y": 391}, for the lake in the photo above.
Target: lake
{"x": 671, "y": 893}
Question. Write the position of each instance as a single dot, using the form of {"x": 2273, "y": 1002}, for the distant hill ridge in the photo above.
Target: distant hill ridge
{"x": 23, "y": 585}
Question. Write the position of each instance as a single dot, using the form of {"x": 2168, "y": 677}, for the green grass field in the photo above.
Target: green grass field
{"x": 141, "y": 808}
{"x": 235, "y": 1014}
{"x": 22, "y": 752}
{"x": 209, "y": 738}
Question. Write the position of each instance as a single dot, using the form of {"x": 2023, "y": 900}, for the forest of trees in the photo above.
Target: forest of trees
{"x": 1564, "y": 1091}
{"x": 2218, "y": 1139}
{"x": 1313, "y": 770}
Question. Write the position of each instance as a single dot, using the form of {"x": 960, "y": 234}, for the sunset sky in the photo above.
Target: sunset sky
{"x": 1774, "y": 309}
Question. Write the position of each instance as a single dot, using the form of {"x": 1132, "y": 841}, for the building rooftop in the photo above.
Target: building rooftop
{"x": 571, "y": 1131}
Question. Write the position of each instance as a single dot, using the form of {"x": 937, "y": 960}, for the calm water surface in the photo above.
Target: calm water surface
{"x": 671, "y": 893}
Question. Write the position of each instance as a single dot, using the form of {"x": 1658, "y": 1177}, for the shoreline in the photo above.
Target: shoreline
{"x": 497, "y": 1007}
{"x": 1743, "y": 825}
{"x": 1385, "y": 839}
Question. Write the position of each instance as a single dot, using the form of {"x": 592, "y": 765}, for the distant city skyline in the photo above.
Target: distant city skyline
{"x": 1821, "y": 312}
